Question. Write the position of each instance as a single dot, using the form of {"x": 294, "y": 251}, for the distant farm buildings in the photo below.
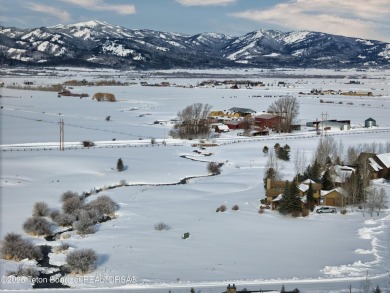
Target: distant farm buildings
{"x": 330, "y": 124}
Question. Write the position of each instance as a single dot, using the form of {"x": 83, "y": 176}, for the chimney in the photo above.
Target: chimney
{"x": 231, "y": 289}
{"x": 269, "y": 183}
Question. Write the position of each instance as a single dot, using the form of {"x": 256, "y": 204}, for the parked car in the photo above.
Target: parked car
{"x": 324, "y": 210}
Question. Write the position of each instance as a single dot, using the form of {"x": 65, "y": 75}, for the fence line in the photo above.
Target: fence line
{"x": 21, "y": 149}
{"x": 258, "y": 139}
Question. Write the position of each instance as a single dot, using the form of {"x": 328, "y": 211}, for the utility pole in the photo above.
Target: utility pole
{"x": 324, "y": 118}
{"x": 61, "y": 123}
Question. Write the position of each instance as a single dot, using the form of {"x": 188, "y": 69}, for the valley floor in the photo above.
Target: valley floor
{"x": 318, "y": 253}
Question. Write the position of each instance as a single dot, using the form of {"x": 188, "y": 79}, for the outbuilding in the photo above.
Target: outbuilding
{"x": 370, "y": 122}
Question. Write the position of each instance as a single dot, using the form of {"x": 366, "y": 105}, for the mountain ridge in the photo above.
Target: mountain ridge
{"x": 98, "y": 43}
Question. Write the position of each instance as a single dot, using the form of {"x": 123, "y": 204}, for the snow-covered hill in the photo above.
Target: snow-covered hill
{"x": 98, "y": 43}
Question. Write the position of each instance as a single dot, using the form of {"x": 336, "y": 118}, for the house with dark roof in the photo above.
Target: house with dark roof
{"x": 378, "y": 165}
{"x": 243, "y": 112}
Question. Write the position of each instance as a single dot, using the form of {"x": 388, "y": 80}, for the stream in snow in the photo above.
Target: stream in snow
{"x": 50, "y": 277}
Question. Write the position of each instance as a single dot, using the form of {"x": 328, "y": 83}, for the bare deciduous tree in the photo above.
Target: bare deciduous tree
{"x": 288, "y": 109}
{"x": 272, "y": 168}
{"x": 326, "y": 147}
{"x": 352, "y": 155}
{"x": 352, "y": 188}
{"x": 193, "y": 122}
{"x": 371, "y": 199}
{"x": 299, "y": 162}
{"x": 381, "y": 201}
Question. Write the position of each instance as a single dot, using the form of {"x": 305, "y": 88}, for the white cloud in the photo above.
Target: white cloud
{"x": 49, "y": 10}
{"x": 100, "y": 5}
{"x": 363, "y": 18}
{"x": 205, "y": 2}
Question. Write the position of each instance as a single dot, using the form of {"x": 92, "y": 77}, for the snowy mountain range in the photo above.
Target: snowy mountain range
{"x": 97, "y": 43}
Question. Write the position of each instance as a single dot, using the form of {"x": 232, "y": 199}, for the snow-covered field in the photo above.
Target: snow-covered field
{"x": 241, "y": 247}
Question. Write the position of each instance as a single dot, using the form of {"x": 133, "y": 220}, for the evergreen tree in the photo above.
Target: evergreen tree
{"x": 283, "y": 154}
{"x": 310, "y": 200}
{"x": 296, "y": 203}
{"x": 265, "y": 150}
{"x": 285, "y": 201}
{"x": 291, "y": 201}
{"x": 119, "y": 165}
{"x": 283, "y": 290}
{"x": 313, "y": 172}
{"x": 326, "y": 181}
{"x": 299, "y": 178}
{"x": 377, "y": 289}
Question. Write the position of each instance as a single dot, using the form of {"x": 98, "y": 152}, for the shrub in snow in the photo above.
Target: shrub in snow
{"x": 61, "y": 248}
{"x": 23, "y": 271}
{"x": 221, "y": 209}
{"x": 84, "y": 225}
{"x": 72, "y": 204}
{"x": 37, "y": 226}
{"x": 235, "y": 208}
{"x": 213, "y": 168}
{"x": 65, "y": 220}
{"x": 305, "y": 213}
{"x": 185, "y": 235}
{"x": 16, "y": 248}
{"x": 261, "y": 210}
{"x": 87, "y": 143}
{"x": 65, "y": 236}
{"x": 68, "y": 194}
{"x": 104, "y": 205}
{"x": 81, "y": 261}
{"x": 40, "y": 209}
{"x": 94, "y": 214}
{"x": 161, "y": 226}
{"x": 54, "y": 214}
{"x": 343, "y": 211}
{"x": 295, "y": 213}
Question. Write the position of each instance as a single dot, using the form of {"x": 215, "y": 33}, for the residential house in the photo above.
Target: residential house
{"x": 340, "y": 174}
{"x": 333, "y": 197}
{"x": 378, "y": 165}
{"x": 274, "y": 190}
{"x": 383, "y": 161}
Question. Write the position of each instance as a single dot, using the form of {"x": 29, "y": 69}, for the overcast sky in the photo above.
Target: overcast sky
{"x": 369, "y": 19}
